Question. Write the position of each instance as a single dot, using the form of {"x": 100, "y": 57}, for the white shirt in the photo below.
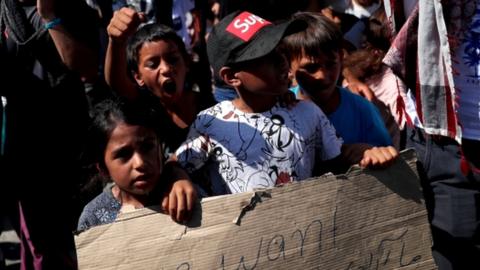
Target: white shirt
{"x": 244, "y": 151}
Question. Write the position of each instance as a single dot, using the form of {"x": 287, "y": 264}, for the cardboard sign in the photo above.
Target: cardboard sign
{"x": 366, "y": 219}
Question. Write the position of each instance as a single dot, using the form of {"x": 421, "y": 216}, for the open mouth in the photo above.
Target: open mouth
{"x": 170, "y": 87}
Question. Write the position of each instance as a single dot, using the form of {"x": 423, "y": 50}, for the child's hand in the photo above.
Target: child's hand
{"x": 180, "y": 200}
{"x": 124, "y": 23}
{"x": 379, "y": 157}
{"x": 356, "y": 86}
{"x": 361, "y": 89}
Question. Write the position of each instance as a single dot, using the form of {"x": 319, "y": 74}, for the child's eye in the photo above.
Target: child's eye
{"x": 151, "y": 63}
{"x": 311, "y": 68}
{"x": 123, "y": 154}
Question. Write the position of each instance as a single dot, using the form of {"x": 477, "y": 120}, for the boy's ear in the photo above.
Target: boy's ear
{"x": 291, "y": 77}
{"x": 229, "y": 76}
{"x": 138, "y": 79}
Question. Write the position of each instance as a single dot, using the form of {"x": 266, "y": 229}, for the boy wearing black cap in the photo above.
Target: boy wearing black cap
{"x": 254, "y": 141}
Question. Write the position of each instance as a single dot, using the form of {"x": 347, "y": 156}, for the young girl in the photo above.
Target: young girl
{"x": 125, "y": 147}
{"x": 366, "y": 66}
{"x": 156, "y": 60}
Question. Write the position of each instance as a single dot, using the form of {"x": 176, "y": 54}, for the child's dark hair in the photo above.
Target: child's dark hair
{"x": 150, "y": 33}
{"x": 106, "y": 116}
{"x": 321, "y": 36}
{"x": 367, "y": 62}
{"x": 377, "y": 33}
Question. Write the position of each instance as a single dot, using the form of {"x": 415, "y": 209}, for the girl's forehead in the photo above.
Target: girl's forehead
{"x": 124, "y": 131}
{"x": 160, "y": 42}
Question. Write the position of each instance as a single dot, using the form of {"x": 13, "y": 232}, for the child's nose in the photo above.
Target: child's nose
{"x": 319, "y": 75}
{"x": 165, "y": 68}
{"x": 138, "y": 161}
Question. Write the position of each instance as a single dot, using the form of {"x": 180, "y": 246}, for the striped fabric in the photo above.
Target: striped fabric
{"x": 427, "y": 37}
{"x": 436, "y": 90}
{"x": 403, "y": 55}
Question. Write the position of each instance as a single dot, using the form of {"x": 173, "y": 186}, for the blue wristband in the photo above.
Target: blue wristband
{"x": 51, "y": 24}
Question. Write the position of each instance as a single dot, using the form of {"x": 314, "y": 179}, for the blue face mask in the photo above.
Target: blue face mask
{"x": 295, "y": 89}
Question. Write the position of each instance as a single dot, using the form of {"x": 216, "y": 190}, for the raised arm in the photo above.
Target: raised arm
{"x": 75, "y": 54}
{"x": 124, "y": 23}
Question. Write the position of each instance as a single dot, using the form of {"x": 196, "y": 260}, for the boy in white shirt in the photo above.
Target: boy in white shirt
{"x": 254, "y": 141}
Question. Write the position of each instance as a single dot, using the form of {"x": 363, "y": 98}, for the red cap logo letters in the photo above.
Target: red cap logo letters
{"x": 245, "y": 25}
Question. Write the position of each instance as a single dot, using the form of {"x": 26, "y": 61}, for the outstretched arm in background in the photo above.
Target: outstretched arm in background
{"x": 74, "y": 54}
{"x": 124, "y": 23}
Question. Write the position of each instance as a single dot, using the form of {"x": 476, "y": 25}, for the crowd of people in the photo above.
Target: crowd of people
{"x": 113, "y": 105}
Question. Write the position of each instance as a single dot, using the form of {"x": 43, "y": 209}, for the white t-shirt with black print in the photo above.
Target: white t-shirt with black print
{"x": 243, "y": 151}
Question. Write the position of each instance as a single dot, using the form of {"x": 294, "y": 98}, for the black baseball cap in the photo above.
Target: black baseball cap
{"x": 243, "y": 36}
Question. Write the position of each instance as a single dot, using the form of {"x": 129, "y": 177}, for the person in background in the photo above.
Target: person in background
{"x": 389, "y": 91}
{"x": 49, "y": 49}
{"x": 435, "y": 53}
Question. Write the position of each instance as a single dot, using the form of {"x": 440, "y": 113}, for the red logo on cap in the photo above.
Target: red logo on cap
{"x": 245, "y": 25}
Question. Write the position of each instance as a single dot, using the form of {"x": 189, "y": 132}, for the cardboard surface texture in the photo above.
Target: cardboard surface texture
{"x": 366, "y": 219}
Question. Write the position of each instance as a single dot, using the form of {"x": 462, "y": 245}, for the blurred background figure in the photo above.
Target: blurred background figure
{"x": 49, "y": 50}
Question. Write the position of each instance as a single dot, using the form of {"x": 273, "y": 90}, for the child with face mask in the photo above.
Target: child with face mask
{"x": 315, "y": 56}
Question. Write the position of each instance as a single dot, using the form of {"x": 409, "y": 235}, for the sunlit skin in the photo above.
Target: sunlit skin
{"x": 133, "y": 161}
{"x": 332, "y": 15}
{"x": 162, "y": 69}
{"x": 258, "y": 82}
